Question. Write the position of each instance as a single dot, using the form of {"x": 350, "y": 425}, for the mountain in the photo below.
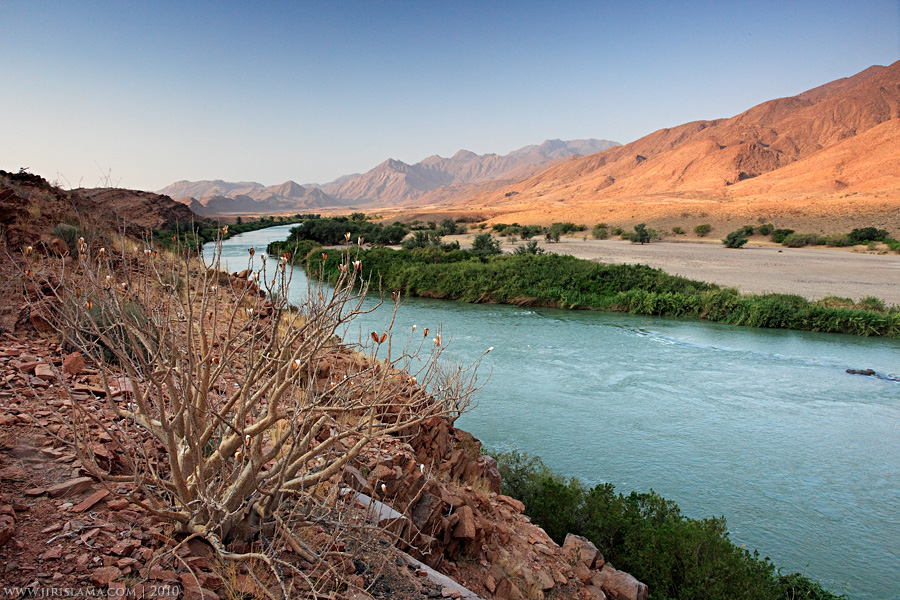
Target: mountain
{"x": 390, "y": 183}
{"x": 836, "y": 139}
{"x": 223, "y": 198}
{"x": 394, "y": 181}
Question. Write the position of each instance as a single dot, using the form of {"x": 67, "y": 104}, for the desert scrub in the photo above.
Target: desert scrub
{"x": 241, "y": 411}
{"x": 648, "y": 536}
{"x": 702, "y": 230}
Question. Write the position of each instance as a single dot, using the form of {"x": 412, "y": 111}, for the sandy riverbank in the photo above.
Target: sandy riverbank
{"x": 756, "y": 268}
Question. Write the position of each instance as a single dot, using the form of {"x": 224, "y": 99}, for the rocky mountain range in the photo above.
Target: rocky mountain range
{"x": 838, "y": 140}
{"x": 390, "y": 183}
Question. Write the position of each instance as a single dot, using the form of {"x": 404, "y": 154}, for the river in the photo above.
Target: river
{"x": 762, "y": 426}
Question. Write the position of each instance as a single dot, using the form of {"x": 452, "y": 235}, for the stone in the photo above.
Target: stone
{"x": 58, "y": 247}
{"x": 7, "y": 528}
{"x": 619, "y": 585}
{"x": 158, "y": 572}
{"x": 44, "y": 371}
{"x": 52, "y": 554}
{"x": 118, "y": 504}
{"x": 102, "y": 576}
{"x": 582, "y": 550}
{"x": 512, "y": 503}
{"x": 465, "y": 527}
{"x": 199, "y": 593}
{"x": 449, "y": 592}
{"x": 595, "y": 593}
{"x": 125, "y": 547}
{"x": 544, "y": 579}
{"x": 90, "y": 501}
{"x": 70, "y": 487}
{"x": 73, "y": 364}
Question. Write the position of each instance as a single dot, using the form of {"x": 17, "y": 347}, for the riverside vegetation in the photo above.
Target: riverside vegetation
{"x": 646, "y": 535}
{"x": 437, "y": 270}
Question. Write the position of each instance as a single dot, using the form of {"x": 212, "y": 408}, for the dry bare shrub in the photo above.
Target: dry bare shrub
{"x": 237, "y": 412}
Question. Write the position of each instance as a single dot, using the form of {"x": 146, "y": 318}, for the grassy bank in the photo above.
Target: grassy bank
{"x": 567, "y": 282}
{"x": 647, "y": 536}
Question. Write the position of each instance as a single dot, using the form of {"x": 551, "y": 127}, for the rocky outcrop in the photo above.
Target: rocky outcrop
{"x": 440, "y": 496}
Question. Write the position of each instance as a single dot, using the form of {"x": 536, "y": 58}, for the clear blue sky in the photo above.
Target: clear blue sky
{"x": 149, "y": 93}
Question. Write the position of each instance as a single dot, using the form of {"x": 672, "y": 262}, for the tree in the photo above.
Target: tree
{"x": 448, "y": 227}
{"x": 484, "y": 245}
{"x": 735, "y": 239}
{"x": 640, "y": 235}
{"x": 530, "y": 247}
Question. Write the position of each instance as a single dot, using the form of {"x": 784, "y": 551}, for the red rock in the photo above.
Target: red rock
{"x": 102, "y": 576}
{"x": 125, "y": 547}
{"x": 512, "y": 503}
{"x": 52, "y": 553}
{"x": 7, "y": 528}
{"x": 44, "y": 371}
{"x": 73, "y": 363}
{"x": 199, "y": 593}
{"x": 449, "y": 592}
{"x": 465, "y": 527}
{"x": 544, "y": 580}
{"x": 32, "y": 492}
{"x": 70, "y": 487}
{"x": 619, "y": 585}
{"x": 118, "y": 504}
{"x": 582, "y": 550}
{"x": 158, "y": 572}
{"x": 90, "y": 501}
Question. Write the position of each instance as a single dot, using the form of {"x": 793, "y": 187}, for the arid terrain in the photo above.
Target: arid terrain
{"x": 759, "y": 267}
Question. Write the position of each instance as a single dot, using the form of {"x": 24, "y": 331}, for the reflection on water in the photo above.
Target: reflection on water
{"x": 764, "y": 427}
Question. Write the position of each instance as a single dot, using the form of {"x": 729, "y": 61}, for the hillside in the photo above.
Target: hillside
{"x": 835, "y": 144}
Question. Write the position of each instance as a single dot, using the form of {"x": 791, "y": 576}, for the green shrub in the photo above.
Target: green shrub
{"x": 529, "y": 248}
{"x": 703, "y": 230}
{"x": 778, "y": 235}
{"x": 678, "y": 230}
{"x": 647, "y": 536}
{"x": 839, "y": 241}
{"x": 484, "y": 246}
{"x": 600, "y": 231}
{"x": 735, "y": 239}
{"x": 800, "y": 240}
{"x": 765, "y": 229}
{"x": 867, "y": 234}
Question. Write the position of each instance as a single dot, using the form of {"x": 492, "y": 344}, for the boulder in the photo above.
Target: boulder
{"x": 73, "y": 363}
{"x": 582, "y": 550}
{"x": 465, "y": 527}
{"x": 619, "y": 585}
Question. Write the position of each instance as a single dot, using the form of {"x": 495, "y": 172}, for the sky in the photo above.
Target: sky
{"x": 143, "y": 94}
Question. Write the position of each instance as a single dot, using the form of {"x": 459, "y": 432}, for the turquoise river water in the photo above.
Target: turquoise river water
{"x": 762, "y": 426}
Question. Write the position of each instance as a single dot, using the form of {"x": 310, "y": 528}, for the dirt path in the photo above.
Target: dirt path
{"x": 810, "y": 272}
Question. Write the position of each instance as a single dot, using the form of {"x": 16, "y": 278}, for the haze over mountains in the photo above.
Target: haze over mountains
{"x": 390, "y": 183}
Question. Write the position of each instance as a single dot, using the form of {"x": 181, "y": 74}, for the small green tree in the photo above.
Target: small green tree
{"x": 448, "y": 227}
{"x": 600, "y": 231}
{"x": 484, "y": 245}
{"x": 530, "y": 247}
{"x": 735, "y": 239}
{"x": 641, "y": 235}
